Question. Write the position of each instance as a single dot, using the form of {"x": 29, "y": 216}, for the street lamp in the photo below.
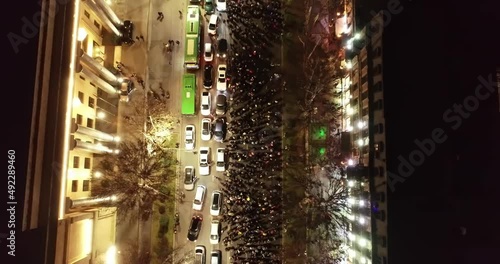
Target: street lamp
{"x": 101, "y": 115}
{"x": 76, "y": 102}
{"x": 82, "y": 34}
{"x": 97, "y": 174}
{"x": 357, "y": 36}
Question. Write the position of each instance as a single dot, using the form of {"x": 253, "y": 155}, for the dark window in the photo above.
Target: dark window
{"x": 90, "y": 122}
{"x": 381, "y": 171}
{"x": 379, "y": 128}
{"x": 378, "y": 87}
{"x": 79, "y": 119}
{"x": 378, "y": 69}
{"x": 379, "y": 105}
{"x": 381, "y": 196}
{"x": 74, "y": 185}
{"x": 364, "y": 79}
{"x": 374, "y": 28}
{"x": 97, "y": 25}
{"x": 383, "y": 242}
{"x": 81, "y": 77}
{"x": 377, "y": 52}
{"x": 381, "y": 146}
{"x": 87, "y": 14}
{"x": 364, "y": 63}
{"x": 81, "y": 96}
{"x": 364, "y": 95}
{"x": 86, "y": 185}
{"x": 76, "y": 162}
{"x": 364, "y": 112}
{"x": 100, "y": 92}
{"x": 355, "y": 102}
{"x": 86, "y": 164}
{"x": 91, "y": 102}
{"x": 91, "y": 83}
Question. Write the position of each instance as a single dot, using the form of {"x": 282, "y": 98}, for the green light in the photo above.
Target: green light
{"x": 322, "y": 151}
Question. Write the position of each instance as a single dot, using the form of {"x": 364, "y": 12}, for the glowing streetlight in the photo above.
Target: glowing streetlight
{"x": 362, "y": 242}
{"x": 357, "y": 36}
{"x": 349, "y": 111}
{"x": 352, "y": 253}
{"x": 361, "y": 124}
{"x": 350, "y": 183}
{"x": 350, "y": 162}
{"x": 349, "y": 129}
{"x": 361, "y": 203}
{"x": 361, "y": 142}
{"x": 101, "y": 115}
{"x": 362, "y": 220}
{"x": 352, "y": 237}
{"x": 362, "y": 260}
{"x": 116, "y": 151}
{"x": 349, "y": 65}
{"x": 97, "y": 174}
{"x": 82, "y": 34}
{"x": 351, "y": 201}
{"x": 116, "y": 139}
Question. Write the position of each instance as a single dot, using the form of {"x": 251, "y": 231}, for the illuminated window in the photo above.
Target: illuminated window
{"x": 86, "y": 185}
{"x": 86, "y": 164}
{"x": 76, "y": 162}
{"x": 74, "y": 185}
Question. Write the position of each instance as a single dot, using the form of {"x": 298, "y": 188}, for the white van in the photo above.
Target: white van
{"x": 212, "y": 25}
{"x": 199, "y": 197}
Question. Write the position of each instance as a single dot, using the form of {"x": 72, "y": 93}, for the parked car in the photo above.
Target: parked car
{"x": 208, "y": 53}
{"x": 206, "y": 104}
{"x": 189, "y": 178}
{"x": 220, "y": 129}
{"x": 206, "y": 129}
{"x": 204, "y": 161}
{"x": 209, "y": 6}
{"x": 212, "y": 24}
{"x": 220, "y": 104}
{"x": 221, "y": 78}
{"x": 216, "y": 257}
{"x": 208, "y": 74}
{"x": 199, "y": 197}
{"x": 199, "y": 255}
{"x": 222, "y": 48}
{"x": 215, "y": 232}
{"x": 189, "y": 137}
{"x": 127, "y": 30}
{"x": 216, "y": 203}
{"x": 221, "y": 5}
{"x": 194, "y": 227}
{"x": 221, "y": 160}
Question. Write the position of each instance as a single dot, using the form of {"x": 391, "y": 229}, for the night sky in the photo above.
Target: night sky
{"x": 434, "y": 53}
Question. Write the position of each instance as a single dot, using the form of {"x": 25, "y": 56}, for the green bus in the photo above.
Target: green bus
{"x": 191, "y": 56}
{"x": 188, "y": 94}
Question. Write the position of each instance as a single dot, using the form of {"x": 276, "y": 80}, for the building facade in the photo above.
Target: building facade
{"x": 364, "y": 131}
{"x": 74, "y": 120}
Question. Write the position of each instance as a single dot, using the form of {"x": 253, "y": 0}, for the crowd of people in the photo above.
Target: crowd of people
{"x": 252, "y": 185}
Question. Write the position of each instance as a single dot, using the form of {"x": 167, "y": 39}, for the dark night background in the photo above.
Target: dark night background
{"x": 433, "y": 53}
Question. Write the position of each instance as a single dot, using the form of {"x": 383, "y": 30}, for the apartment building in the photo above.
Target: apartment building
{"x": 363, "y": 144}
{"x": 75, "y": 116}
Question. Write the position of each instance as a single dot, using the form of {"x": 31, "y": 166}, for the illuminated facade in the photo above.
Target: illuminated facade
{"x": 363, "y": 125}
{"x": 74, "y": 120}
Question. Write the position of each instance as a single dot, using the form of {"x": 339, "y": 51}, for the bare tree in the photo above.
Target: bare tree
{"x": 136, "y": 176}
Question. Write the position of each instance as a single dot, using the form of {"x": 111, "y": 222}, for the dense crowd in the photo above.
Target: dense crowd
{"x": 253, "y": 221}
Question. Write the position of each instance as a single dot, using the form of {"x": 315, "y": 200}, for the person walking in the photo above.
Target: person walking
{"x": 141, "y": 37}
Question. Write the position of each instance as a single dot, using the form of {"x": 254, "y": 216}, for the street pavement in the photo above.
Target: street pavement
{"x": 164, "y": 70}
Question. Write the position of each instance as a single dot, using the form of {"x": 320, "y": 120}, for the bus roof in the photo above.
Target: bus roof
{"x": 193, "y": 20}
{"x": 191, "y": 54}
{"x": 188, "y": 94}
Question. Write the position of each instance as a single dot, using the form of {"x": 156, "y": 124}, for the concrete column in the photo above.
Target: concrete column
{"x": 102, "y": 16}
{"x": 99, "y": 135}
{"x": 109, "y": 12}
{"x": 91, "y": 147}
{"x": 91, "y": 63}
{"x": 100, "y": 82}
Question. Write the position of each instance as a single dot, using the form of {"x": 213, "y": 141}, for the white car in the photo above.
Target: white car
{"x": 199, "y": 254}
{"x": 206, "y": 129}
{"x": 189, "y": 178}
{"x": 208, "y": 53}
{"x": 204, "y": 161}
{"x": 215, "y": 232}
{"x": 199, "y": 197}
{"x": 221, "y": 78}
{"x": 206, "y": 104}
{"x": 221, "y": 161}
{"x": 190, "y": 137}
{"x": 212, "y": 24}
{"x": 221, "y": 5}
{"x": 216, "y": 203}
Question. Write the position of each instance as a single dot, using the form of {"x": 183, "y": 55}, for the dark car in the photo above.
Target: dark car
{"x": 220, "y": 104}
{"x": 209, "y": 6}
{"x": 208, "y": 74}
{"x": 222, "y": 48}
{"x": 194, "y": 228}
{"x": 220, "y": 129}
{"x": 127, "y": 31}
